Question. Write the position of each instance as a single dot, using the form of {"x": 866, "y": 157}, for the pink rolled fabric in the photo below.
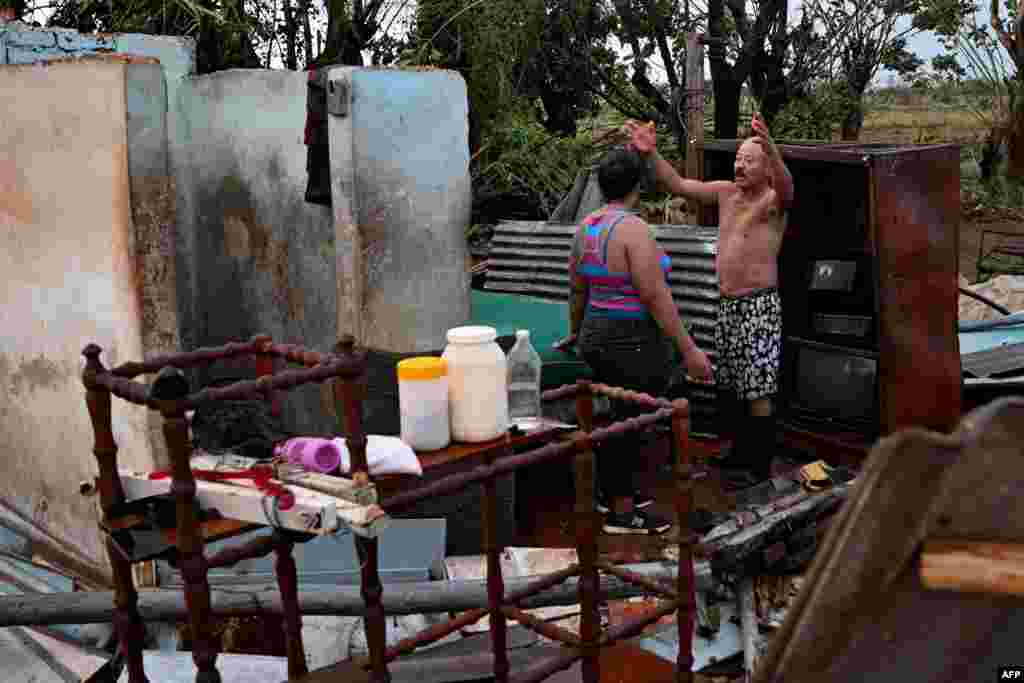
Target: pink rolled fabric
{"x": 312, "y": 453}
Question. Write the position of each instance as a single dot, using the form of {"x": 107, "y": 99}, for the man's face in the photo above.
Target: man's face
{"x": 749, "y": 167}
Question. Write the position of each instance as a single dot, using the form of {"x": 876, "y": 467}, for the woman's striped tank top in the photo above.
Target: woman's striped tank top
{"x": 612, "y": 295}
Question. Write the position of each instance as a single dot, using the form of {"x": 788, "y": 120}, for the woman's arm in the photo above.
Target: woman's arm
{"x": 649, "y": 279}
{"x": 579, "y": 294}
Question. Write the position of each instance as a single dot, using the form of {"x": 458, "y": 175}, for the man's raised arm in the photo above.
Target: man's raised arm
{"x": 643, "y": 138}
{"x": 782, "y": 180}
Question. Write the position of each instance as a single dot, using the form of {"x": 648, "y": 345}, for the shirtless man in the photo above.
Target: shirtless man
{"x": 748, "y": 335}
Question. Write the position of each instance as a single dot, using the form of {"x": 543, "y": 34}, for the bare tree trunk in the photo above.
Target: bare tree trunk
{"x": 307, "y": 33}
{"x": 291, "y": 36}
{"x": 1015, "y": 131}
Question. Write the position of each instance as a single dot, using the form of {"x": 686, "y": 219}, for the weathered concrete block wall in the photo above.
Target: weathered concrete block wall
{"x": 254, "y": 257}
{"x": 401, "y": 197}
{"x": 83, "y": 183}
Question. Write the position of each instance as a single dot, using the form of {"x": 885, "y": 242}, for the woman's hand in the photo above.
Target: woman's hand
{"x": 699, "y": 366}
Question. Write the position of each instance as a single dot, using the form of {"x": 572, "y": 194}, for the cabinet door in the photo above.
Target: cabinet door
{"x": 916, "y": 212}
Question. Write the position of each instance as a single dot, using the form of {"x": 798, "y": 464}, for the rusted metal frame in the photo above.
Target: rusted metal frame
{"x": 637, "y": 579}
{"x": 558, "y": 393}
{"x": 260, "y": 344}
{"x": 257, "y": 547}
{"x": 492, "y": 548}
{"x": 686, "y": 584}
{"x": 589, "y": 585}
{"x": 460, "y": 480}
{"x": 187, "y": 359}
{"x": 127, "y": 622}
{"x": 349, "y": 392}
{"x": 632, "y": 627}
{"x": 138, "y": 393}
{"x": 456, "y": 482}
{"x": 287, "y": 580}
{"x": 547, "y": 668}
{"x": 542, "y": 584}
{"x": 288, "y": 585}
{"x": 552, "y": 631}
{"x": 629, "y": 396}
{"x": 434, "y": 633}
{"x": 189, "y": 541}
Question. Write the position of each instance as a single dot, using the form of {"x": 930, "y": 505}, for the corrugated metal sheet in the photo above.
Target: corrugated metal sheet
{"x": 532, "y": 258}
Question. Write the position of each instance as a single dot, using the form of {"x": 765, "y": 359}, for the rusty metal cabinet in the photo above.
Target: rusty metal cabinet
{"x": 868, "y": 277}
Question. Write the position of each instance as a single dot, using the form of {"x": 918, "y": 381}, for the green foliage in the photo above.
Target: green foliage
{"x": 814, "y": 116}
{"x": 524, "y": 171}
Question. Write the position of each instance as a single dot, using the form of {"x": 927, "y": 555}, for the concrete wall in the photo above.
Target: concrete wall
{"x": 401, "y": 197}
{"x": 254, "y": 257}
{"x": 81, "y": 189}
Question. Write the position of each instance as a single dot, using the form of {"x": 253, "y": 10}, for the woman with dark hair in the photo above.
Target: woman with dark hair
{"x": 623, "y": 315}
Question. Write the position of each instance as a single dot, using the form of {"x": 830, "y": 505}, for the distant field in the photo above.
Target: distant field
{"x": 919, "y": 124}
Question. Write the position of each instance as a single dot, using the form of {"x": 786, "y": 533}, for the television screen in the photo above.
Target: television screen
{"x": 835, "y": 384}
{"x": 833, "y": 275}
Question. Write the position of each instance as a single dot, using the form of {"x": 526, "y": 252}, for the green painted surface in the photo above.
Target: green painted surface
{"x": 548, "y": 321}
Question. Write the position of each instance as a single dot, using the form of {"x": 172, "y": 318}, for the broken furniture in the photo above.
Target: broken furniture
{"x": 1005, "y": 256}
{"x": 920, "y": 576}
{"x": 503, "y": 605}
{"x": 176, "y": 525}
{"x": 868, "y": 279}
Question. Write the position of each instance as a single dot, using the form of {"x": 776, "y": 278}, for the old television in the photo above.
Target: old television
{"x": 831, "y": 388}
{"x": 840, "y": 300}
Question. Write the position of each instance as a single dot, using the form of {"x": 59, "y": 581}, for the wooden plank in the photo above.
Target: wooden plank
{"x": 973, "y": 567}
{"x": 313, "y": 512}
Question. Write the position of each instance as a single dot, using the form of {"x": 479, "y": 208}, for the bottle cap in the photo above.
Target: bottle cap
{"x": 422, "y": 367}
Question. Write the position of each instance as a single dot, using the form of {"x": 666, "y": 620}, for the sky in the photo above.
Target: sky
{"x": 925, "y": 44}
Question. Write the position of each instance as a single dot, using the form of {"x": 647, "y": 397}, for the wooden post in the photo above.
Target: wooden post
{"x": 695, "y": 115}
{"x": 191, "y": 559}
{"x": 685, "y": 583}
{"x": 349, "y": 394}
{"x": 586, "y": 542}
{"x": 288, "y": 584}
{"x": 492, "y": 547}
{"x": 127, "y": 622}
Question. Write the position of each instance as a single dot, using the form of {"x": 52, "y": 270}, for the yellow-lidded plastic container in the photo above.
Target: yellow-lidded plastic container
{"x": 423, "y": 402}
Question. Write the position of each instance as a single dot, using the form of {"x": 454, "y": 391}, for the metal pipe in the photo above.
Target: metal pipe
{"x": 422, "y": 597}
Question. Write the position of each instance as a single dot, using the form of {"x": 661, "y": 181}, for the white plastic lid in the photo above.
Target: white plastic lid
{"x": 522, "y": 334}
{"x": 472, "y": 334}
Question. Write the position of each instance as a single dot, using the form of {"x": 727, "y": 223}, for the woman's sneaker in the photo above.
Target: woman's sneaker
{"x": 636, "y": 522}
{"x": 640, "y": 501}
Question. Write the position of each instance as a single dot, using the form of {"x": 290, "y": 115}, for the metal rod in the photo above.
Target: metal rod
{"x": 685, "y": 582}
{"x": 632, "y": 627}
{"x": 456, "y": 482}
{"x": 638, "y": 579}
{"x": 434, "y": 633}
{"x": 552, "y": 631}
{"x": 492, "y": 547}
{"x": 586, "y": 540}
{"x": 548, "y": 581}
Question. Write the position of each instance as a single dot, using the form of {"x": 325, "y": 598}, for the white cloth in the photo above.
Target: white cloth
{"x": 384, "y": 455}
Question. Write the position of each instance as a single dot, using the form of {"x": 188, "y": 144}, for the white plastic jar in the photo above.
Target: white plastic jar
{"x": 423, "y": 402}
{"x": 477, "y": 384}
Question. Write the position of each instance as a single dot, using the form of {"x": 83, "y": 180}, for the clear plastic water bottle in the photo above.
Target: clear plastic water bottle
{"x": 523, "y": 379}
